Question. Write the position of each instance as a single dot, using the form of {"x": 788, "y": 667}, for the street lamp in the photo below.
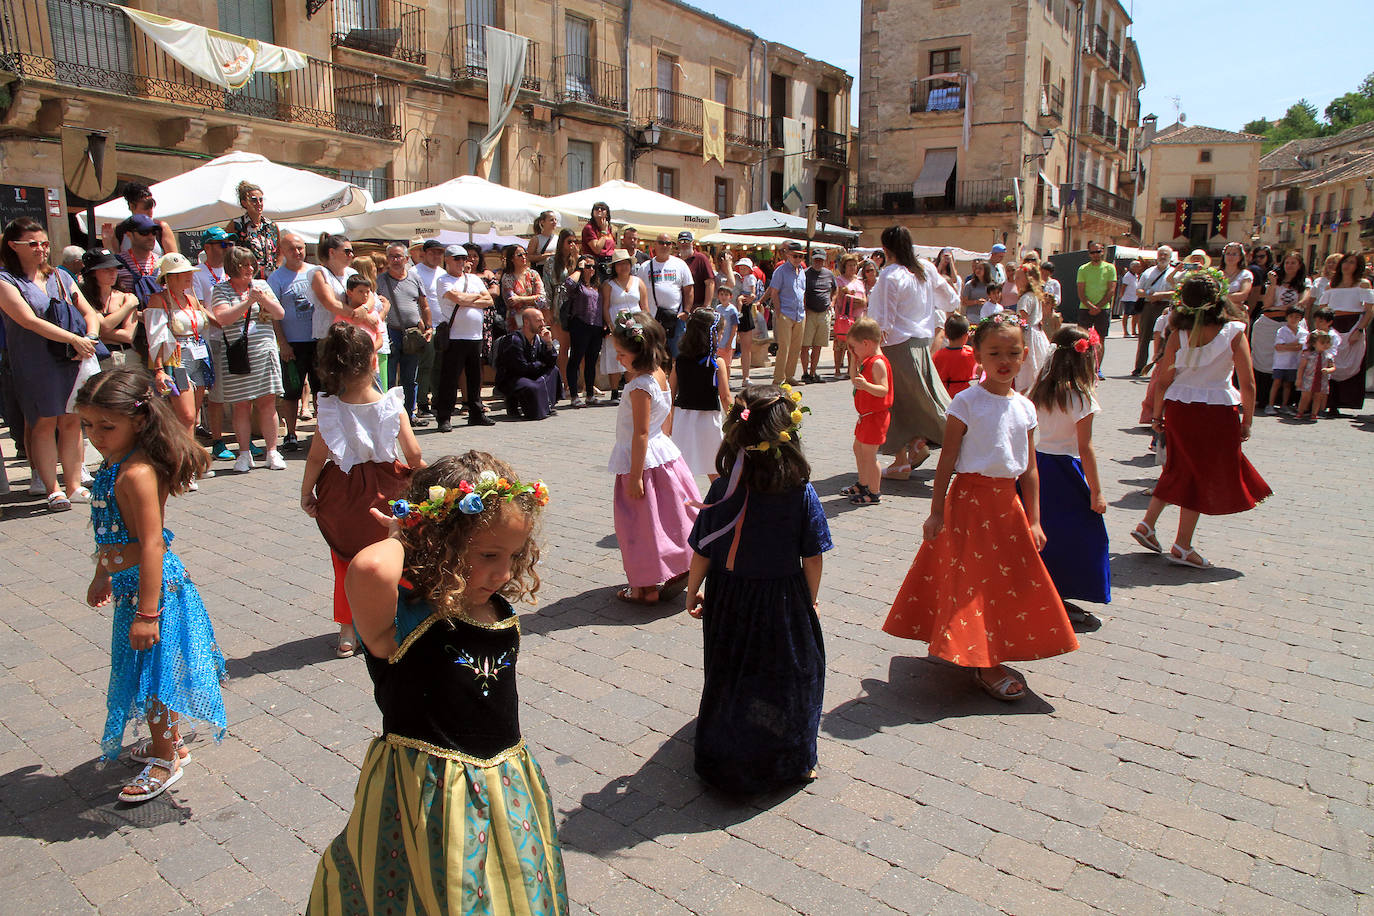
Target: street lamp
{"x": 1046, "y": 144}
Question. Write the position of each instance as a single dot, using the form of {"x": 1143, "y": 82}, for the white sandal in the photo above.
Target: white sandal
{"x": 152, "y": 786}
{"x": 58, "y": 502}
{"x": 142, "y": 751}
{"x": 1181, "y": 558}
{"x": 1146, "y": 538}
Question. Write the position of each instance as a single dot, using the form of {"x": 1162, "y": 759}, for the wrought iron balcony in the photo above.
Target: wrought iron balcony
{"x": 937, "y": 96}
{"x": 92, "y": 45}
{"x": 468, "y": 46}
{"x": 1367, "y": 227}
{"x": 1095, "y": 42}
{"x": 1100, "y": 200}
{"x": 830, "y": 146}
{"x": 386, "y": 27}
{"x": 989, "y": 195}
{"x": 1239, "y": 202}
{"x": 1052, "y": 103}
{"x": 585, "y": 80}
{"x": 681, "y": 112}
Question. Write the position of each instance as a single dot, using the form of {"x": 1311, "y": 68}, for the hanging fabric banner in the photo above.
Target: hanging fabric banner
{"x": 505, "y": 70}
{"x": 951, "y": 97}
{"x": 712, "y": 131}
{"x": 792, "y": 197}
{"x": 217, "y": 57}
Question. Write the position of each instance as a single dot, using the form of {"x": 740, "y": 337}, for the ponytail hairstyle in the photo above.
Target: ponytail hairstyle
{"x": 177, "y": 458}
{"x": 1069, "y": 372}
{"x": 328, "y": 244}
{"x": 699, "y": 338}
{"x": 641, "y": 335}
{"x": 345, "y": 354}
{"x": 762, "y": 426}
{"x": 1199, "y": 301}
{"x": 436, "y": 544}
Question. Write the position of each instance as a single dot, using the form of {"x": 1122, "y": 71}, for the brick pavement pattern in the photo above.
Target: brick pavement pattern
{"x": 1209, "y": 749}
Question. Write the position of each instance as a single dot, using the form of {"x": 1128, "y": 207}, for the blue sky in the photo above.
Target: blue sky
{"x": 1228, "y": 62}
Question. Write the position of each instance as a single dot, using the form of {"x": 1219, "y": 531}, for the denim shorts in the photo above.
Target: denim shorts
{"x": 1285, "y": 375}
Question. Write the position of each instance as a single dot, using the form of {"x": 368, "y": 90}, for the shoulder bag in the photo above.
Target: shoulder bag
{"x": 441, "y": 331}
{"x": 237, "y": 360}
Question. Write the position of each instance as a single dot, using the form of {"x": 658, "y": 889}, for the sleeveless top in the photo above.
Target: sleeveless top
{"x": 106, "y": 521}
{"x": 661, "y": 449}
{"x": 1202, "y": 375}
{"x": 623, "y": 300}
{"x": 450, "y": 688}
{"x": 696, "y": 384}
{"x": 867, "y": 403}
{"x": 357, "y": 433}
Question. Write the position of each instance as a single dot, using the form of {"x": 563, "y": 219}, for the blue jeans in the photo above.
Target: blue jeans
{"x": 675, "y": 338}
{"x": 403, "y": 366}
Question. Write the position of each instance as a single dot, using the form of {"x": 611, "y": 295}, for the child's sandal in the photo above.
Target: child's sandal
{"x": 851, "y": 490}
{"x": 142, "y": 751}
{"x": 865, "y": 497}
{"x": 151, "y": 786}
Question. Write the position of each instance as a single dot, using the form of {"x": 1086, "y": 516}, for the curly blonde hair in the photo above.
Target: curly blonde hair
{"x": 435, "y": 548}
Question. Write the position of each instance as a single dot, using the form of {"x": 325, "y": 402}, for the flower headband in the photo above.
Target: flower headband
{"x": 470, "y": 498}
{"x": 1081, "y": 345}
{"x": 999, "y": 319}
{"x": 629, "y": 327}
{"x": 790, "y": 433}
{"x": 1210, "y": 273}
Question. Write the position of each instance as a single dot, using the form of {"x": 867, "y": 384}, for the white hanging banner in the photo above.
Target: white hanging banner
{"x": 792, "y": 139}
{"x": 217, "y": 57}
{"x": 962, "y": 93}
{"x": 505, "y": 70}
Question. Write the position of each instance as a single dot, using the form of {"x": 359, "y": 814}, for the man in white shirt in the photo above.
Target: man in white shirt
{"x": 669, "y": 281}
{"x": 428, "y": 270}
{"x": 1130, "y": 307}
{"x": 1154, "y": 289}
{"x": 462, "y": 300}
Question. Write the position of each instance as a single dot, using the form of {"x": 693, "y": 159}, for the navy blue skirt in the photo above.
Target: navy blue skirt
{"x": 1075, "y": 536}
{"x": 764, "y": 685}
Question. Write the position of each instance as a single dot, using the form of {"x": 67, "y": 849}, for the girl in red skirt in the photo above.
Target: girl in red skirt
{"x": 353, "y": 466}
{"x": 978, "y": 591}
{"x": 1203, "y": 418}
{"x": 871, "y": 375}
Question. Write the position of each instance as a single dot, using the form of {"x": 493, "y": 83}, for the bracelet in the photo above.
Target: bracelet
{"x": 142, "y": 616}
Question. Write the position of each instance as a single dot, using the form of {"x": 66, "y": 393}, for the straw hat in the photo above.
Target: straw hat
{"x": 621, "y": 254}
{"x": 1199, "y": 257}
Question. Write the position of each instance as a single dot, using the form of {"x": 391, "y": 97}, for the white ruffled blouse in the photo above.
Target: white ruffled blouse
{"x": 357, "y": 433}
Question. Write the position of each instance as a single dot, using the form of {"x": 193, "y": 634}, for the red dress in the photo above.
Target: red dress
{"x": 875, "y": 413}
{"x": 979, "y": 593}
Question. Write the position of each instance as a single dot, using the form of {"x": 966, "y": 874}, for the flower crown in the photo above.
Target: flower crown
{"x": 628, "y": 326}
{"x": 470, "y": 498}
{"x": 998, "y": 319}
{"x": 787, "y": 435}
{"x": 1210, "y": 273}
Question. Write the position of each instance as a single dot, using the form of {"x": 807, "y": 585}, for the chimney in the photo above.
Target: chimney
{"x": 1148, "y": 125}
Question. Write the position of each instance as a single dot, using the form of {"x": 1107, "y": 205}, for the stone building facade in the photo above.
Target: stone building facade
{"x": 1198, "y": 180}
{"x": 394, "y": 96}
{"x": 1318, "y": 195}
{"x": 956, "y": 101}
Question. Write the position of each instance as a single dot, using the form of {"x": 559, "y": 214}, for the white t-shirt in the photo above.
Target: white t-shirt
{"x": 989, "y": 309}
{"x": 1346, "y": 299}
{"x": 467, "y": 321}
{"x": 1058, "y": 430}
{"x": 204, "y": 279}
{"x": 323, "y": 317}
{"x": 1288, "y": 359}
{"x": 666, "y": 281}
{"x": 1162, "y": 322}
{"x": 429, "y": 277}
{"x": 997, "y": 441}
{"x": 1130, "y": 283}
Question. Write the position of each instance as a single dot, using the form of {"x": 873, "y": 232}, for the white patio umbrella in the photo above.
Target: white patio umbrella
{"x": 208, "y": 195}
{"x": 464, "y": 204}
{"x": 631, "y": 205}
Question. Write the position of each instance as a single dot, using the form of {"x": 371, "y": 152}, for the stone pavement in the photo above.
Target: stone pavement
{"x": 1209, "y": 749}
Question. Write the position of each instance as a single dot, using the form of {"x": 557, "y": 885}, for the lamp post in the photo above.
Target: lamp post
{"x": 427, "y": 142}
{"x": 459, "y": 152}
{"x": 1046, "y": 144}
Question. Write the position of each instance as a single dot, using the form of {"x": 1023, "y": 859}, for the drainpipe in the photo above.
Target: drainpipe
{"x": 628, "y": 146}
{"x": 762, "y": 183}
{"x": 753, "y": 183}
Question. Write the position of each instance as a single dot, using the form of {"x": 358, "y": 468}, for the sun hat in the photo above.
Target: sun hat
{"x": 98, "y": 259}
{"x": 174, "y": 262}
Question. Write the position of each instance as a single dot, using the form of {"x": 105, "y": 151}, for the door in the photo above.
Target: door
{"x": 666, "y": 81}
{"x": 822, "y": 110}
{"x": 777, "y": 106}
{"x": 577, "y": 58}
{"x": 581, "y": 163}
{"x": 252, "y": 19}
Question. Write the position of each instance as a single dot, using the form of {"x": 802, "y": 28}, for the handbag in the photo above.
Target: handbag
{"x": 237, "y": 360}
{"x": 63, "y": 313}
{"x": 441, "y": 339}
{"x": 412, "y": 341}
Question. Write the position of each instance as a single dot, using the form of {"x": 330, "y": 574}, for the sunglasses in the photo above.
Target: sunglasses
{"x": 348, "y": 251}
{"x": 226, "y": 245}
{"x": 255, "y": 200}
{"x": 1095, "y": 251}
{"x": 34, "y": 244}
{"x": 147, "y": 231}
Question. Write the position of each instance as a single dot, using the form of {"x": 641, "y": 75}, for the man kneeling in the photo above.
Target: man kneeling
{"x": 527, "y": 369}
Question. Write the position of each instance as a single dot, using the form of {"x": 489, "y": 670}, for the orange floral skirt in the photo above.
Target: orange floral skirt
{"x": 979, "y": 593}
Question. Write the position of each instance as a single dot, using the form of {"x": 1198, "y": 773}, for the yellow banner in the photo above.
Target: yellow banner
{"x": 712, "y": 131}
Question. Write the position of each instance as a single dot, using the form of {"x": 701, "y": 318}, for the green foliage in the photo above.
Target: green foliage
{"x": 1301, "y": 120}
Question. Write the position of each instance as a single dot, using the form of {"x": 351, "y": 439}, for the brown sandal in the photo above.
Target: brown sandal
{"x": 627, "y": 594}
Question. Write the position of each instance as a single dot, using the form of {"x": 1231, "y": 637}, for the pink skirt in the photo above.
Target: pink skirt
{"x": 652, "y": 532}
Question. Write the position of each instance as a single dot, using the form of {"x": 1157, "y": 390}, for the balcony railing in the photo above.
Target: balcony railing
{"x": 989, "y": 195}
{"x": 1052, "y": 102}
{"x": 91, "y": 45}
{"x": 1097, "y": 123}
{"x": 1367, "y": 227}
{"x": 587, "y": 81}
{"x": 1096, "y": 43}
{"x": 937, "y": 95}
{"x": 682, "y": 112}
{"x": 830, "y": 146}
{"x": 382, "y": 188}
{"x": 386, "y": 27}
{"x": 1123, "y": 139}
{"x": 1239, "y": 202}
{"x": 468, "y": 45}
{"x": 1126, "y": 69}
{"x": 1114, "y": 56}
{"x": 1100, "y": 200}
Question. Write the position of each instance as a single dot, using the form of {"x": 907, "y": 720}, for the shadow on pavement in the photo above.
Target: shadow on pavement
{"x": 922, "y": 690}
{"x": 598, "y": 606}
{"x": 663, "y": 797}
{"x": 288, "y": 656}
{"x": 1142, "y": 569}
{"x": 79, "y": 803}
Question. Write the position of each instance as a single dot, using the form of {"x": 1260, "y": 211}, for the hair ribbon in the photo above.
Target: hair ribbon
{"x": 735, "y": 525}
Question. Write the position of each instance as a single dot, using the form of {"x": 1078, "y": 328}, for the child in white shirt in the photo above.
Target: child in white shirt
{"x": 1291, "y": 338}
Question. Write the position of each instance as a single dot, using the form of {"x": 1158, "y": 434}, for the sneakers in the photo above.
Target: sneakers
{"x": 594, "y": 402}
{"x": 418, "y": 422}
{"x": 257, "y": 450}
{"x": 444, "y": 427}
{"x": 576, "y": 401}
{"x": 193, "y": 488}
{"x": 243, "y": 464}
{"x": 207, "y": 475}
{"x": 275, "y": 462}
{"x": 220, "y": 452}
{"x": 86, "y": 477}
{"x": 1270, "y": 411}
{"x": 290, "y": 443}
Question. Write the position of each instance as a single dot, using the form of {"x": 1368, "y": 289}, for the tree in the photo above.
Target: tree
{"x": 1258, "y": 126}
{"x": 1302, "y": 120}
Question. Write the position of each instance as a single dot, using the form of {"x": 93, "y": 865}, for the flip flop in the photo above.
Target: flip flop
{"x": 1201, "y": 563}
{"x": 897, "y": 472}
{"x": 1146, "y": 538}
{"x": 627, "y": 594}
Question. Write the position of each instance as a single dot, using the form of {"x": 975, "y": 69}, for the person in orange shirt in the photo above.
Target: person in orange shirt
{"x": 955, "y": 362}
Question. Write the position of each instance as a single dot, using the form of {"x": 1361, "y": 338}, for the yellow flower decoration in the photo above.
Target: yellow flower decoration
{"x": 796, "y": 396}
{"x": 436, "y": 492}
{"x": 796, "y": 417}
{"x": 784, "y": 436}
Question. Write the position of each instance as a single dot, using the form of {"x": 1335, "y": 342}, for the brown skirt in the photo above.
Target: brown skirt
{"x": 344, "y": 501}
{"x": 919, "y": 398}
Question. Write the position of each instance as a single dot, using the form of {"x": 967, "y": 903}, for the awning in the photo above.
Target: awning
{"x": 935, "y": 172}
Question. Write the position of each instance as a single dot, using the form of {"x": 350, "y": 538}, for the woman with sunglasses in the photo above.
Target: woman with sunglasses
{"x": 44, "y": 379}
{"x": 255, "y": 231}
{"x": 598, "y": 238}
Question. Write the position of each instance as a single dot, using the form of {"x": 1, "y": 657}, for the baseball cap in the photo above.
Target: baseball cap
{"x": 215, "y": 234}
{"x": 98, "y": 259}
{"x": 453, "y": 251}
{"x": 817, "y": 253}
{"x": 999, "y": 247}
{"x": 173, "y": 263}
{"x": 685, "y": 236}
{"x": 431, "y": 244}
{"x": 795, "y": 246}
{"x": 140, "y": 222}
{"x": 745, "y": 262}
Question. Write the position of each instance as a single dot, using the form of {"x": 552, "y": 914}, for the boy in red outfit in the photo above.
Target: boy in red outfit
{"x": 955, "y": 362}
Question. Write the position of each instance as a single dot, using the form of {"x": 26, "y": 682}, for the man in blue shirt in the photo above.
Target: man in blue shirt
{"x": 295, "y": 337}
{"x": 786, "y": 292}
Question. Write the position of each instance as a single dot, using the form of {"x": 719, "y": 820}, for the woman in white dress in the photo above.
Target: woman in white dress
{"x": 623, "y": 292}
{"x": 1030, "y": 303}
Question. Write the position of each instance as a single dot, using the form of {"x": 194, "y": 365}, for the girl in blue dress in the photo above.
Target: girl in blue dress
{"x": 757, "y": 546}
{"x": 452, "y": 814}
{"x": 164, "y": 663}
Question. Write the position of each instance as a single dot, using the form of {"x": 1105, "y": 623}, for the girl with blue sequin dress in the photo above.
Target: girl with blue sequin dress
{"x": 165, "y": 666}
{"x": 452, "y": 814}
